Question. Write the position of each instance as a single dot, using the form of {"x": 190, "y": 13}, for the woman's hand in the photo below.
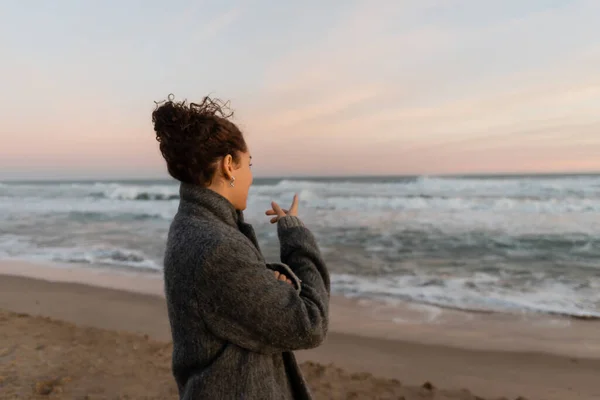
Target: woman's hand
{"x": 282, "y": 277}
{"x": 279, "y": 212}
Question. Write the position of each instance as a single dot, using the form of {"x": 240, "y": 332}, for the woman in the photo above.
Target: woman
{"x": 235, "y": 319}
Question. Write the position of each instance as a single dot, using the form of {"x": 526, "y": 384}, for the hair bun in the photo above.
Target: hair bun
{"x": 172, "y": 119}
{"x": 193, "y": 136}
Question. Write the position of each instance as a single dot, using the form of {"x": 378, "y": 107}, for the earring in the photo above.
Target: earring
{"x": 232, "y": 182}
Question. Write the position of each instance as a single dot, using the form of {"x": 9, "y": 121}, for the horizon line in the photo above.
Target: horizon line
{"x": 317, "y": 177}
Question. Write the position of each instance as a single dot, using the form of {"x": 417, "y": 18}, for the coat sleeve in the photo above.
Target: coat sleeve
{"x": 287, "y": 271}
{"x": 241, "y": 301}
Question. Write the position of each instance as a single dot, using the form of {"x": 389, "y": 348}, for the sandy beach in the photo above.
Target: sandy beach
{"x": 76, "y": 332}
{"x": 442, "y": 156}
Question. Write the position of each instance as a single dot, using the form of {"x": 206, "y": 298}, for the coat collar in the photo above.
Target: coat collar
{"x": 199, "y": 197}
{"x": 219, "y": 206}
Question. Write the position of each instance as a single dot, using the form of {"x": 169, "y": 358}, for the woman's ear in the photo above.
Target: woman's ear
{"x": 227, "y": 167}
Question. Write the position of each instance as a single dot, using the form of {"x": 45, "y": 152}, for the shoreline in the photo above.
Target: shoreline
{"x": 453, "y": 351}
{"x": 414, "y": 322}
{"x": 81, "y": 272}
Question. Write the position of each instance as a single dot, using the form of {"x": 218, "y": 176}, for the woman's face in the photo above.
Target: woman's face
{"x": 243, "y": 180}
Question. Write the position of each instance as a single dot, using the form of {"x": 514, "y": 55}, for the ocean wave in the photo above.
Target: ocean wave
{"x": 391, "y": 249}
{"x": 105, "y": 256}
{"x": 367, "y": 202}
{"x": 122, "y": 216}
{"x": 478, "y": 293}
{"x": 96, "y": 190}
{"x": 132, "y": 195}
{"x": 328, "y": 188}
{"x": 465, "y": 279}
{"x": 80, "y": 208}
{"x": 527, "y": 188}
{"x": 19, "y": 247}
{"x": 451, "y": 242}
{"x": 137, "y": 192}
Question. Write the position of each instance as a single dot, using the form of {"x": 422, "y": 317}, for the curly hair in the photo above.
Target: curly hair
{"x": 194, "y": 136}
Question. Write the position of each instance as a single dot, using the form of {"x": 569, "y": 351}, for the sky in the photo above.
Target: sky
{"x": 377, "y": 87}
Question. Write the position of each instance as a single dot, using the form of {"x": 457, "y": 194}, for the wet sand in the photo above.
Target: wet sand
{"x": 111, "y": 340}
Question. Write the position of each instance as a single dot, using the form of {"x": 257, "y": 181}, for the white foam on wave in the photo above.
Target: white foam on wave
{"x": 13, "y": 244}
{"x": 519, "y": 187}
{"x": 513, "y": 187}
{"x": 515, "y": 214}
{"x": 481, "y": 292}
{"x": 102, "y": 207}
{"x": 21, "y": 247}
{"x": 337, "y": 188}
{"x": 399, "y": 203}
{"x": 90, "y": 200}
{"x": 114, "y": 191}
{"x": 140, "y": 192}
{"x": 515, "y": 195}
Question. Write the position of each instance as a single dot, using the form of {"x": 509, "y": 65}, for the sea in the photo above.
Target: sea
{"x": 507, "y": 244}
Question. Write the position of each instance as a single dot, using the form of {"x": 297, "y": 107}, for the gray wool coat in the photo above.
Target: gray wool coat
{"x": 234, "y": 326}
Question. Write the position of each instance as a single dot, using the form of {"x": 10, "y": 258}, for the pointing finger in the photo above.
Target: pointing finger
{"x": 294, "y": 207}
{"x": 277, "y": 209}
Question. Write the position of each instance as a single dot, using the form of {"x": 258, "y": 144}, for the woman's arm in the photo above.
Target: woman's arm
{"x": 299, "y": 250}
{"x": 286, "y": 271}
{"x": 241, "y": 302}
